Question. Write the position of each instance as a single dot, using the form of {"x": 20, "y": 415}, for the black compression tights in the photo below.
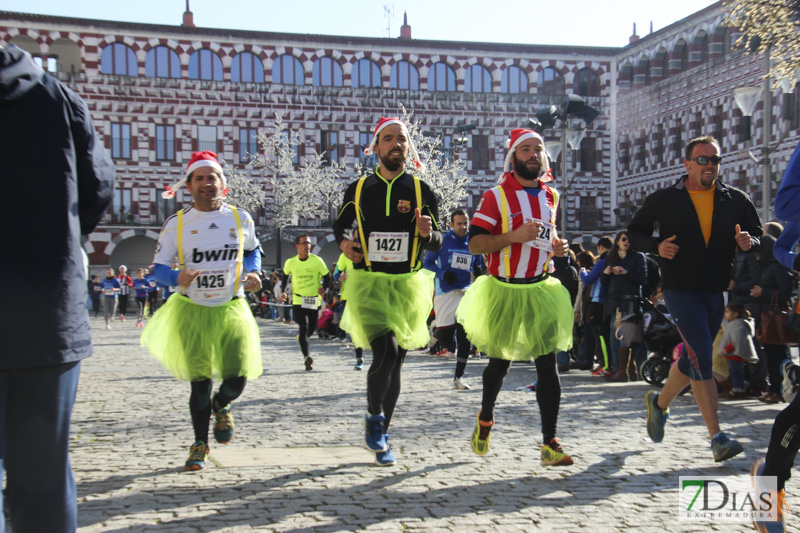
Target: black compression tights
{"x": 383, "y": 378}
{"x": 446, "y": 336}
{"x": 548, "y": 391}
{"x": 200, "y": 402}
{"x": 784, "y": 443}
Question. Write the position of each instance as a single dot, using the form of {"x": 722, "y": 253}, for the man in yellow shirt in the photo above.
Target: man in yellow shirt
{"x": 309, "y": 279}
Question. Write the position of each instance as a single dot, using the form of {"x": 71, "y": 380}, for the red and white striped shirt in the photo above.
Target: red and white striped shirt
{"x": 526, "y": 261}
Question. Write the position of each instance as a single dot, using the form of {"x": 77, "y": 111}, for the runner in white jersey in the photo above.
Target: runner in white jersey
{"x": 207, "y": 329}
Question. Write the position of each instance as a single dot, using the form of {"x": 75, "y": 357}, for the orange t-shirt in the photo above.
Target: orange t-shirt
{"x": 704, "y": 205}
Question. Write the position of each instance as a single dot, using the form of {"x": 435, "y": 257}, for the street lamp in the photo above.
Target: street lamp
{"x": 746, "y": 99}
{"x": 573, "y": 106}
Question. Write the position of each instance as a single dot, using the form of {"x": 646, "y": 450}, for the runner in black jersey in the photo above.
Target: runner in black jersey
{"x": 390, "y": 296}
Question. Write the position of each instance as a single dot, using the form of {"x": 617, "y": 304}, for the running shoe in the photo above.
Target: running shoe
{"x": 198, "y": 453}
{"x": 778, "y": 526}
{"x": 791, "y": 380}
{"x": 725, "y": 447}
{"x": 445, "y": 353}
{"x": 374, "y": 437}
{"x": 553, "y": 455}
{"x": 480, "y": 436}
{"x": 359, "y": 365}
{"x": 223, "y": 423}
{"x": 656, "y": 417}
{"x": 308, "y": 361}
{"x": 386, "y": 458}
{"x": 599, "y": 371}
{"x": 460, "y": 384}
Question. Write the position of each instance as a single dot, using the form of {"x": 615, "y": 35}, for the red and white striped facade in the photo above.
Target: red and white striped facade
{"x": 634, "y": 109}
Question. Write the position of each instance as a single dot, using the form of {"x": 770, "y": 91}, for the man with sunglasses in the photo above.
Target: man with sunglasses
{"x": 701, "y": 222}
{"x": 309, "y": 277}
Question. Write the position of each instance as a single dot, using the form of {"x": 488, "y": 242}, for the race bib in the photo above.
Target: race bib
{"x": 153, "y": 283}
{"x": 109, "y": 292}
{"x": 461, "y": 261}
{"x": 388, "y": 247}
{"x": 211, "y": 284}
{"x": 309, "y": 302}
{"x": 546, "y": 234}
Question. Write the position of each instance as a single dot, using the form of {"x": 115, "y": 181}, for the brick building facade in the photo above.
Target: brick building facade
{"x": 159, "y": 92}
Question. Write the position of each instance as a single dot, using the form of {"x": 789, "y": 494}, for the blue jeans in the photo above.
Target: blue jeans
{"x": 562, "y": 359}
{"x": 698, "y": 315}
{"x": 587, "y": 347}
{"x": 35, "y": 409}
{"x": 736, "y": 370}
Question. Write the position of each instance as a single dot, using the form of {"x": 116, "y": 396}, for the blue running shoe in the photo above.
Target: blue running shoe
{"x": 386, "y": 458}
{"x": 374, "y": 437}
{"x": 725, "y": 447}
{"x": 198, "y": 453}
{"x": 359, "y": 365}
{"x": 656, "y": 417}
{"x": 779, "y": 498}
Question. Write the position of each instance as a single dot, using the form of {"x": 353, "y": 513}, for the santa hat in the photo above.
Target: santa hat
{"x": 382, "y": 123}
{"x": 198, "y": 160}
{"x": 517, "y": 137}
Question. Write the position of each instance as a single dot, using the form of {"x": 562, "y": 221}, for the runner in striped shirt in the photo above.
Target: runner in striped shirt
{"x": 519, "y": 312}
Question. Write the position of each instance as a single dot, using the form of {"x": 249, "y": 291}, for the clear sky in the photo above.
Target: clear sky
{"x": 572, "y": 22}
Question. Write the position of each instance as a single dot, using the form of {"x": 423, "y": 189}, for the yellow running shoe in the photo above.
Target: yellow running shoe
{"x": 553, "y": 455}
{"x": 480, "y": 437}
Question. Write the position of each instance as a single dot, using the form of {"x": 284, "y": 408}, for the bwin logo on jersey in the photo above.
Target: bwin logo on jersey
{"x": 206, "y": 256}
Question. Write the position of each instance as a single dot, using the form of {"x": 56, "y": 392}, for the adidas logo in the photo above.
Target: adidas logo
{"x": 212, "y": 226}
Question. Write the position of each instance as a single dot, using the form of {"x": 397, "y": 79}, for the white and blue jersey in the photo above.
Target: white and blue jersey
{"x": 109, "y": 285}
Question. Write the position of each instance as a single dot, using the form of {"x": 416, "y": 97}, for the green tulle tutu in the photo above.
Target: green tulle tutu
{"x": 517, "y": 322}
{"x": 194, "y": 342}
{"x": 378, "y": 303}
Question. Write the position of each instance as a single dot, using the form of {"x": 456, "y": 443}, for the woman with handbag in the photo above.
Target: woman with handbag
{"x": 773, "y": 292}
{"x": 624, "y": 275}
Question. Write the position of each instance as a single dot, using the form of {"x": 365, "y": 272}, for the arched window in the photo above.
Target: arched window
{"x": 404, "y": 76}
{"x": 287, "y": 70}
{"x": 551, "y": 82}
{"x": 162, "y": 62}
{"x": 702, "y": 47}
{"x": 587, "y": 82}
{"x": 477, "y": 80}
{"x": 514, "y": 81}
{"x": 247, "y": 68}
{"x": 326, "y": 73}
{"x": 441, "y": 77}
{"x": 118, "y": 59}
{"x": 682, "y": 54}
{"x": 205, "y": 65}
{"x": 366, "y": 74}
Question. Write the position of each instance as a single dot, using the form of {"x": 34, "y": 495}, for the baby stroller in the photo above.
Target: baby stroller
{"x": 660, "y": 336}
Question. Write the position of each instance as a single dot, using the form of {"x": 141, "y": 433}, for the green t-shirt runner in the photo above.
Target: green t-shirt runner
{"x": 306, "y": 276}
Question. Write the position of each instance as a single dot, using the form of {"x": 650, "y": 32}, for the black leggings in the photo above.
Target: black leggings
{"x": 446, "y": 335}
{"x": 123, "y": 304}
{"x": 307, "y": 320}
{"x": 784, "y": 443}
{"x": 200, "y": 402}
{"x": 383, "y": 378}
{"x": 140, "y": 301}
{"x": 548, "y": 391}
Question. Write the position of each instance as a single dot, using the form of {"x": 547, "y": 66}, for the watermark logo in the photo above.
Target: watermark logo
{"x": 728, "y": 498}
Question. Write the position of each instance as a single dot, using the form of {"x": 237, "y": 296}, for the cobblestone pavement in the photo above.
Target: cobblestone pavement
{"x": 296, "y": 462}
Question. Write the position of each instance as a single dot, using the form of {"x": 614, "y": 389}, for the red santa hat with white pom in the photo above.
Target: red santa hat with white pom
{"x": 382, "y": 123}
{"x": 198, "y": 160}
{"x": 517, "y": 136}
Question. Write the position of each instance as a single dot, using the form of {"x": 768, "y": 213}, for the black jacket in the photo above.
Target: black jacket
{"x": 389, "y": 207}
{"x": 618, "y": 286}
{"x": 58, "y": 182}
{"x": 696, "y": 266}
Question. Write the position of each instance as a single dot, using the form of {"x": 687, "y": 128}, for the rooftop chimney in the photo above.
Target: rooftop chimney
{"x": 632, "y": 39}
{"x": 188, "y": 17}
{"x": 405, "y": 29}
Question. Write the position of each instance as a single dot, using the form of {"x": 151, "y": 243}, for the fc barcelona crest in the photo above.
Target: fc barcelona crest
{"x": 404, "y": 206}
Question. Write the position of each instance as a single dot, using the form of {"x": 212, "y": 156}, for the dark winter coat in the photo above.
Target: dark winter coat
{"x": 58, "y": 181}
